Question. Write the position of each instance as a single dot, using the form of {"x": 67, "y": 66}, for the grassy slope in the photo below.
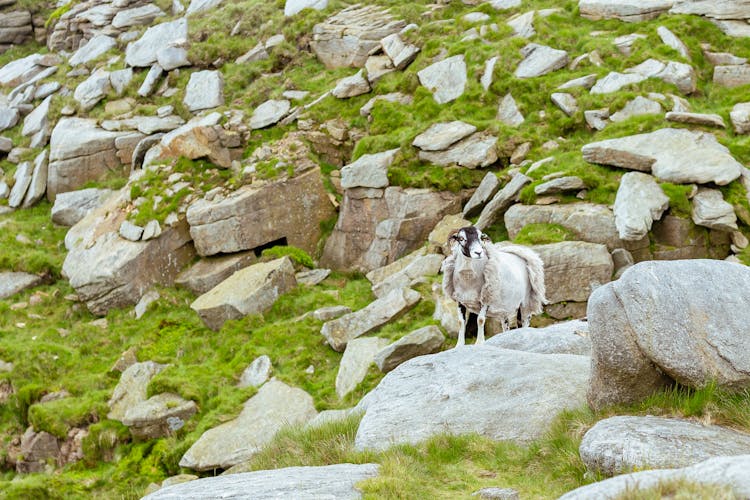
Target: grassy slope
{"x": 55, "y": 346}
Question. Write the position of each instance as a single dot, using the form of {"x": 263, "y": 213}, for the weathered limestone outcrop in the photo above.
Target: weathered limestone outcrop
{"x": 642, "y": 336}
{"x": 290, "y": 209}
{"x": 108, "y": 271}
{"x": 520, "y": 394}
{"x": 573, "y": 269}
{"x": 377, "y": 226}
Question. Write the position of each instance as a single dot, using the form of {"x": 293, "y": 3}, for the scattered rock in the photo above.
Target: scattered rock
{"x": 355, "y": 363}
{"x": 673, "y": 41}
{"x": 624, "y": 10}
{"x": 291, "y": 7}
{"x": 638, "y": 106}
{"x": 614, "y": 81}
{"x": 368, "y": 171}
{"x": 276, "y": 404}
{"x": 502, "y": 201}
{"x": 566, "y": 102}
{"x": 663, "y": 152}
{"x": 423, "y": 341}
{"x": 560, "y": 185}
{"x": 446, "y": 79}
{"x": 97, "y": 46}
{"x": 623, "y": 444}
{"x": 476, "y": 151}
{"x": 210, "y": 271}
{"x": 12, "y": 283}
{"x": 205, "y": 90}
{"x": 740, "y": 116}
{"x": 269, "y": 113}
{"x": 340, "y": 331}
{"x": 142, "y": 306}
{"x": 710, "y": 210}
{"x": 257, "y": 373}
{"x": 485, "y": 191}
{"x": 508, "y": 112}
{"x": 138, "y": 16}
{"x": 411, "y": 274}
{"x": 351, "y": 86}
{"x": 732, "y": 75}
{"x": 159, "y": 416}
{"x": 329, "y": 313}
{"x": 573, "y": 269}
{"x": 520, "y": 394}
{"x": 71, "y": 207}
{"x": 142, "y": 53}
{"x": 523, "y": 25}
{"x": 130, "y": 231}
{"x": 639, "y": 202}
{"x": 440, "y": 136}
{"x": 400, "y": 53}
{"x": 22, "y": 177}
{"x": 708, "y": 120}
{"x": 540, "y": 60}
{"x": 132, "y": 388}
{"x": 252, "y": 290}
{"x": 92, "y": 90}
{"x": 312, "y": 277}
{"x": 721, "y": 471}
{"x": 672, "y": 342}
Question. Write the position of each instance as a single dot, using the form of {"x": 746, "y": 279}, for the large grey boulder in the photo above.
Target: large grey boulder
{"x": 355, "y": 363}
{"x": 257, "y": 214}
{"x": 573, "y": 269}
{"x": 12, "y": 283}
{"x": 303, "y": 483}
{"x": 440, "y": 136}
{"x": 275, "y": 405}
{"x": 143, "y": 52}
{"x": 210, "y": 271}
{"x": 624, "y": 10}
{"x": 340, "y": 331}
{"x": 80, "y": 152}
{"x": 446, "y": 79}
{"x": 426, "y": 340}
{"x": 570, "y": 337}
{"x": 158, "y": 416}
{"x": 205, "y": 90}
{"x": 519, "y": 394}
{"x": 721, "y": 9}
{"x": 682, "y": 320}
{"x": 638, "y": 203}
{"x": 540, "y": 60}
{"x": 252, "y": 290}
{"x": 588, "y": 221}
{"x": 269, "y": 113}
{"x": 71, "y": 207}
{"x": 22, "y": 70}
{"x": 369, "y": 170}
{"x": 711, "y": 210}
{"x": 132, "y": 388}
{"x": 627, "y": 443}
{"x": 663, "y": 153}
{"x": 92, "y": 90}
{"x": 720, "y": 471}
{"x": 108, "y": 271}
{"x": 350, "y": 36}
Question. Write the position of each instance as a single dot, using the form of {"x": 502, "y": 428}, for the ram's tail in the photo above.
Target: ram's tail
{"x": 536, "y": 297}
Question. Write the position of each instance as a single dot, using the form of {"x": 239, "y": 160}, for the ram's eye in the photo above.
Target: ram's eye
{"x": 485, "y": 238}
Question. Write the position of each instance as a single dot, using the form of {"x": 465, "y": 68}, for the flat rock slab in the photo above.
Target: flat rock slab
{"x": 614, "y": 81}
{"x": 637, "y": 107}
{"x": 257, "y": 214}
{"x": 740, "y": 116}
{"x": 689, "y": 324}
{"x": 721, "y": 471}
{"x": 423, "y": 341}
{"x": 624, "y": 444}
{"x": 519, "y": 395}
{"x": 502, "y": 201}
{"x": 638, "y": 203}
{"x": 721, "y": 9}
{"x": 275, "y": 405}
{"x": 446, "y": 79}
{"x": 349, "y": 37}
{"x": 571, "y": 337}
{"x": 485, "y": 191}
{"x": 143, "y": 52}
{"x": 369, "y": 170}
{"x": 712, "y": 211}
{"x": 732, "y": 75}
{"x": 269, "y": 113}
{"x": 210, "y": 271}
{"x": 665, "y": 152}
{"x": 355, "y": 363}
{"x": 418, "y": 269}
{"x": 560, "y": 185}
{"x": 476, "y": 151}
{"x": 440, "y": 136}
{"x": 707, "y": 120}
{"x": 205, "y": 90}
{"x": 158, "y": 416}
{"x": 132, "y": 388}
{"x": 251, "y": 290}
{"x": 341, "y": 330}
{"x": 303, "y": 483}
{"x": 540, "y": 60}
{"x": 351, "y": 86}
{"x": 624, "y": 10}
{"x": 12, "y": 283}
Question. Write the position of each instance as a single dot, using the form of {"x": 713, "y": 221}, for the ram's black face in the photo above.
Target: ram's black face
{"x": 469, "y": 241}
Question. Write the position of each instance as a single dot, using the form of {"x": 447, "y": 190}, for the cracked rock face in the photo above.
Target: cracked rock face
{"x": 641, "y": 336}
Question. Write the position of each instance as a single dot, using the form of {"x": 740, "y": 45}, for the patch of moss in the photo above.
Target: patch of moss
{"x": 540, "y": 234}
{"x": 58, "y": 417}
{"x": 679, "y": 204}
{"x": 298, "y": 256}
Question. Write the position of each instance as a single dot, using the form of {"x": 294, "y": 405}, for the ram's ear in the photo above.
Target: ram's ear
{"x": 453, "y": 236}
{"x": 485, "y": 238}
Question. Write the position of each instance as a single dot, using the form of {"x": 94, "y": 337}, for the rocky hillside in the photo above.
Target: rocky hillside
{"x": 222, "y": 224}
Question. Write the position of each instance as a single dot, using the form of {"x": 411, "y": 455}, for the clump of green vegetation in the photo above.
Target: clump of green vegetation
{"x": 298, "y": 256}
{"x": 540, "y": 234}
{"x": 679, "y": 204}
{"x": 681, "y": 489}
{"x": 31, "y": 243}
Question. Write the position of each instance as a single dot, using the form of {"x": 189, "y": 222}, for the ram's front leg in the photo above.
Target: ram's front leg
{"x": 462, "y": 313}
{"x": 481, "y": 318}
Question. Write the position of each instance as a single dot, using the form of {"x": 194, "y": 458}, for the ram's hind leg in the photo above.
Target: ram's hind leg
{"x": 524, "y": 318}
{"x": 462, "y": 317}
{"x": 481, "y": 318}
